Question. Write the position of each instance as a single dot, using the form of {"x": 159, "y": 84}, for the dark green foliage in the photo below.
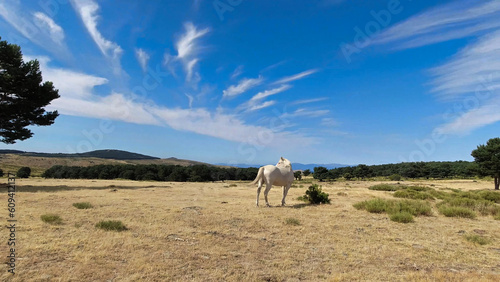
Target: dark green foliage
{"x": 23, "y": 95}
{"x": 297, "y": 175}
{"x": 320, "y": 173}
{"x": 111, "y": 225}
{"x": 395, "y": 177}
{"x": 306, "y": 172}
{"x": 83, "y": 205}
{"x": 51, "y": 219}
{"x": 315, "y": 195}
{"x": 488, "y": 159}
{"x": 196, "y": 173}
{"x": 24, "y": 172}
{"x": 395, "y": 172}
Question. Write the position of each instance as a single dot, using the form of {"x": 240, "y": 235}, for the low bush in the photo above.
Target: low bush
{"x": 83, "y": 205}
{"x": 451, "y": 211}
{"x": 315, "y": 195}
{"x": 395, "y": 177}
{"x": 402, "y": 217}
{"x": 292, "y": 221}
{"x": 476, "y": 239}
{"x": 413, "y": 194}
{"x": 385, "y": 187}
{"x": 111, "y": 225}
{"x": 51, "y": 219}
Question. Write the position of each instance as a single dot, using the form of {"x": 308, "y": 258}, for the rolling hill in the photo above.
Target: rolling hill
{"x": 12, "y": 160}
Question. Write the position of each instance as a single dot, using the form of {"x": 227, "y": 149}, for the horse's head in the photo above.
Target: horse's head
{"x": 284, "y": 163}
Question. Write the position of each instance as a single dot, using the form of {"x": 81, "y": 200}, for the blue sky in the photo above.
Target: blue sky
{"x": 326, "y": 81}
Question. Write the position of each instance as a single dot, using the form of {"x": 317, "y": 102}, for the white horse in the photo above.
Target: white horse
{"x": 279, "y": 175}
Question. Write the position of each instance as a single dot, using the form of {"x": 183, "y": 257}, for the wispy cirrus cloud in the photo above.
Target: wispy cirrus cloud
{"x": 458, "y": 19}
{"x": 309, "y": 113}
{"x": 56, "y": 32}
{"x": 296, "y": 76}
{"x": 472, "y": 73}
{"x": 267, "y": 93}
{"x": 37, "y": 27}
{"x": 308, "y": 101}
{"x": 242, "y": 86}
{"x": 88, "y": 12}
{"x": 143, "y": 58}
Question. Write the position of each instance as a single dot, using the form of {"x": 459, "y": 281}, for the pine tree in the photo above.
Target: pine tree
{"x": 23, "y": 96}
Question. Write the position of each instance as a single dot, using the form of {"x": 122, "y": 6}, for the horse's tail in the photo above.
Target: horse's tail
{"x": 260, "y": 175}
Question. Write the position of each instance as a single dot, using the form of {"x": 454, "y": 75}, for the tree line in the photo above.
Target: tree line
{"x": 195, "y": 173}
{"x": 435, "y": 170}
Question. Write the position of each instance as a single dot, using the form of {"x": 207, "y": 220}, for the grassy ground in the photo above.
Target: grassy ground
{"x": 211, "y": 231}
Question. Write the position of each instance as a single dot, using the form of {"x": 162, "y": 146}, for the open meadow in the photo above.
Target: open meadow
{"x": 213, "y": 231}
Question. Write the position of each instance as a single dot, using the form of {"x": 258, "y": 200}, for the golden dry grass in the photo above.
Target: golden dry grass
{"x": 210, "y": 231}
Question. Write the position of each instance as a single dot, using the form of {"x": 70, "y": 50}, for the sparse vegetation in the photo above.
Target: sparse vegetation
{"x": 51, "y": 219}
{"x": 451, "y": 211}
{"x": 83, "y": 205}
{"x": 402, "y": 217}
{"x": 476, "y": 239}
{"x": 385, "y": 187}
{"x": 397, "y": 209}
{"x": 111, "y": 225}
{"x": 292, "y": 221}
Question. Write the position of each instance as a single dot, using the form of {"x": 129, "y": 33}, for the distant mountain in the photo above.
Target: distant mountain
{"x": 295, "y": 166}
{"x": 102, "y": 154}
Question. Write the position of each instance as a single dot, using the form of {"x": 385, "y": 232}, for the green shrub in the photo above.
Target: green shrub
{"x": 395, "y": 177}
{"x": 292, "y": 221}
{"x": 451, "y": 211}
{"x": 51, "y": 218}
{"x": 490, "y": 196}
{"x": 412, "y": 207}
{"x": 413, "y": 194}
{"x": 83, "y": 205}
{"x": 24, "y": 172}
{"x": 385, "y": 187}
{"x": 497, "y": 217}
{"x": 315, "y": 195}
{"x": 373, "y": 206}
{"x": 111, "y": 225}
{"x": 402, "y": 217}
{"x": 476, "y": 239}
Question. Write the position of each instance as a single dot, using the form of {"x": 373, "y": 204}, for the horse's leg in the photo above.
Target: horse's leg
{"x": 284, "y": 195}
{"x": 268, "y": 187}
{"x": 285, "y": 192}
{"x": 258, "y": 191}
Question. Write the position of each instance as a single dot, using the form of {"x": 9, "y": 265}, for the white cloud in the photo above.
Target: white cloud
{"x": 261, "y": 106}
{"x": 296, "y": 76}
{"x": 458, "y": 19}
{"x": 264, "y": 94}
{"x": 87, "y": 9}
{"x": 143, "y": 58}
{"x": 306, "y": 113}
{"x": 56, "y": 32}
{"x": 307, "y": 101}
{"x": 118, "y": 106}
{"x": 188, "y": 48}
{"x": 237, "y": 72}
{"x": 36, "y": 27}
{"x": 242, "y": 86}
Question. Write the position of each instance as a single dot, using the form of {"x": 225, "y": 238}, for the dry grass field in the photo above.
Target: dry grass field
{"x": 213, "y": 231}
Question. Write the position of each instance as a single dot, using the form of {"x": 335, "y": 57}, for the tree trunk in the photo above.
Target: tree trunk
{"x": 497, "y": 183}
